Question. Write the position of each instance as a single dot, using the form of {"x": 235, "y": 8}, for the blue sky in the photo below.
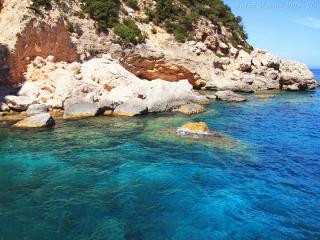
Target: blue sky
{"x": 287, "y": 28}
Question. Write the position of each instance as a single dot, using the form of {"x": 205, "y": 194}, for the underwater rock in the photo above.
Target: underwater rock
{"x": 191, "y": 109}
{"x": 36, "y": 121}
{"x": 230, "y": 96}
{"x": 194, "y": 127}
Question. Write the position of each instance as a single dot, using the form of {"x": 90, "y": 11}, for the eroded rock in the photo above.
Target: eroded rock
{"x": 36, "y": 121}
{"x": 19, "y": 103}
{"x": 296, "y": 76}
{"x": 81, "y": 110}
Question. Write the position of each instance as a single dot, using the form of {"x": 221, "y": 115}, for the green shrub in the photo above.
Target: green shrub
{"x": 104, "y": 12}
{"x": 38, "y": 4}
{"x": 132, "y": 3}
{"x": 129, "y": 32}
{"x": 74, "y": 28}
{"x": 178, "y": 17}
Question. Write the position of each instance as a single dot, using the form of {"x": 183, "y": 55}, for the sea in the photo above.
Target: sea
{"x": 134, "y": 179}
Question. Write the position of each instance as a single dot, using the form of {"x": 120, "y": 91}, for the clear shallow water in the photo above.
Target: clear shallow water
{"x": 111, "y": 178}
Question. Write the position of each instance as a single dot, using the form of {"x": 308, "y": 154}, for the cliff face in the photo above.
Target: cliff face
{"x": 40, "y": 40}
{"x": 25, "y": 36}
{"x": 170, "y": 40}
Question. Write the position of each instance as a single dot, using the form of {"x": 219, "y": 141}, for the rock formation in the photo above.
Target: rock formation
{"x": 58, "y": 57}
{"x": 36, "y": 121}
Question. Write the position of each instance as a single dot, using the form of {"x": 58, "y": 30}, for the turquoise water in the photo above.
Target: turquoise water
{"x": 119, "y": 178}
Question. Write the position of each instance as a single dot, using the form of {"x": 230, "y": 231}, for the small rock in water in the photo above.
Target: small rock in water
{"x": 230, "y": 96}
{"x": 264, "y": 96}
{"x": 36, "y": 121}
{"x": 190, "y": 109}
{"x": 194, "y": 127}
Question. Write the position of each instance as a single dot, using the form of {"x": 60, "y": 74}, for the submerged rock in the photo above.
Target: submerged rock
{"x": 81, "y": 110}
{"x": 36, "y": 121}
{"x": 230, "y": 96}
{"x": 199, "y": 132}
{"x": 194, "y": 127}
{"x": 192, "y": 108}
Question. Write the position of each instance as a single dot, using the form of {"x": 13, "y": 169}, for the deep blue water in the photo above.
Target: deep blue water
{"x": 119, "y": 178}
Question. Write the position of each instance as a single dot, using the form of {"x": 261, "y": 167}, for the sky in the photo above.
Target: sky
{"x": 289, "y": 29}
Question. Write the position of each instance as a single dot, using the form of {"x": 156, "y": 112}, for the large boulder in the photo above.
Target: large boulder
{"x": 29, "y": 89}
{"x": 159, "y": 95}
{"x": 36, "y": 121}
{"x": 64, "y": 81}
{"x": 244, "y": 61}
{"x": 106, "y": 71}
{"x": 131, "y": 108}
{"x": 81, "y": 110}
{"x": 36, "y": 109}
{"x": 296, "y": 76}
{"x": 230, "y": 96}
{"x": 19, "y": 103}
{"x": 261, "y": 58}
{"x": 163, "y": 96}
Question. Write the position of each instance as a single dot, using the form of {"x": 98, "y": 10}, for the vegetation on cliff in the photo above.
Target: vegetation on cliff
{"x": 104, "y": 12}
{"x": 128, "y": 31}
{"x": 177, "y": 17}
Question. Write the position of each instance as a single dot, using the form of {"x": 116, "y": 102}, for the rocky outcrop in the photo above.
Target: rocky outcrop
{"x": 229, "y": 96}
{"x": 36, "y": 121}
{"x": 296, "y": 76}
{"x": 101, "y": 84}
{"x": 260, "y": 70}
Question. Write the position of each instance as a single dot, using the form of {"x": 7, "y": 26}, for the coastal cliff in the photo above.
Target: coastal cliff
{"x": 54, "y": 47}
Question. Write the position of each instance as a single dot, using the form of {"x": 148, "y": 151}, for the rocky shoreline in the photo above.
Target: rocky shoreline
{"x": 102, "y": 86}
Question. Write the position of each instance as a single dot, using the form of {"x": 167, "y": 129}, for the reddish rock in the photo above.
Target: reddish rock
{"x": 152, "y": 68}
{"x": 42, "y": 40}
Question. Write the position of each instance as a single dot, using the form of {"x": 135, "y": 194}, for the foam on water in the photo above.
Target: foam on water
{"x": 111, "y": 178}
